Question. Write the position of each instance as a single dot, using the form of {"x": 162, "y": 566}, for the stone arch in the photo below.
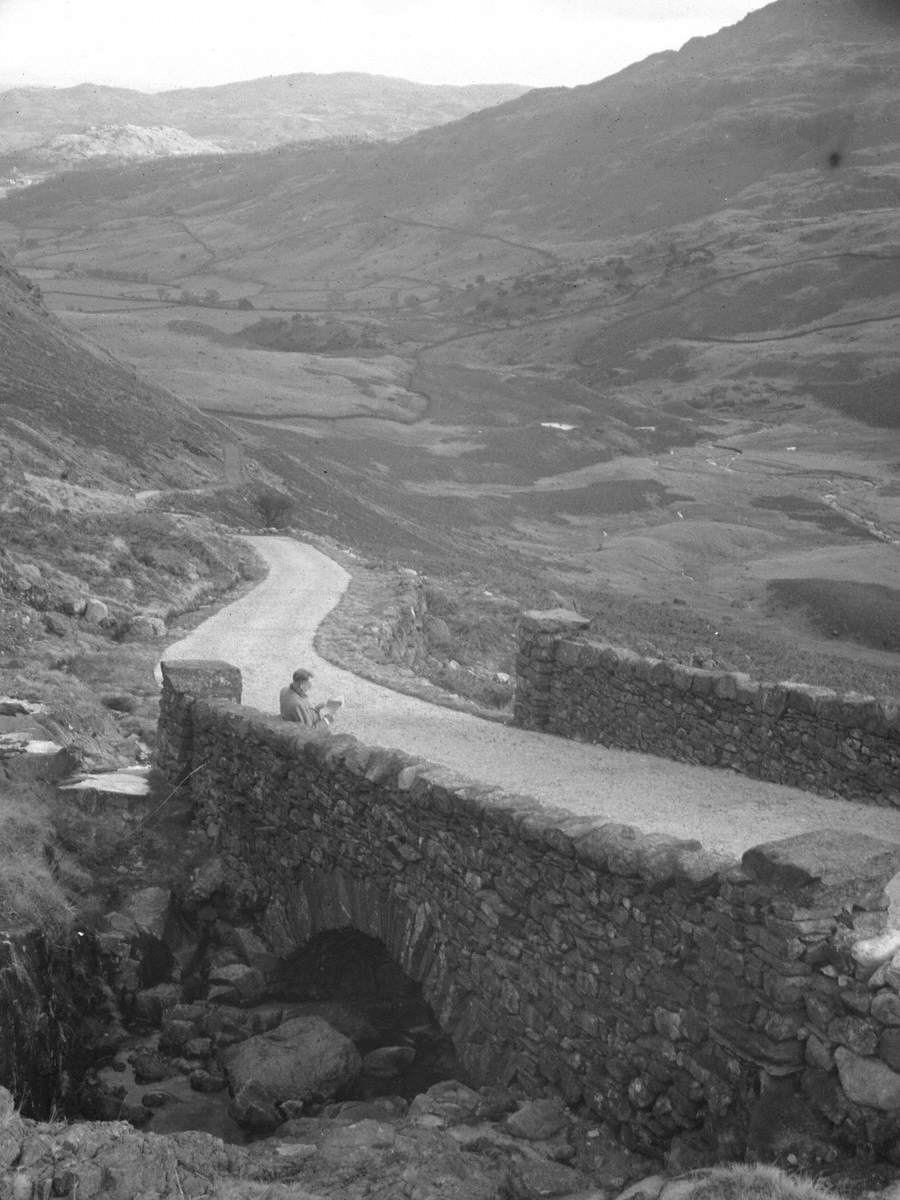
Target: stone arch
{"x": 324, "y": 900}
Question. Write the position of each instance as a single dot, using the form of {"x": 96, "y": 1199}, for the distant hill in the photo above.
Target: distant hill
{"x": 799, "y": 87}
{"x": 250, "y": 115}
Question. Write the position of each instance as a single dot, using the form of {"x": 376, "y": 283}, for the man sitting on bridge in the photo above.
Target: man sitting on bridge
{"x": 294, "y": 700}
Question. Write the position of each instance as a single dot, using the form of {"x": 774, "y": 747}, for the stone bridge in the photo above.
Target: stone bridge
{"x": 665, "y": 989}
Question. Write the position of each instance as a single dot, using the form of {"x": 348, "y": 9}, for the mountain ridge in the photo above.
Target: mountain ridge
{"x": 643, "y": 139}
{"x": 249, "y": 114}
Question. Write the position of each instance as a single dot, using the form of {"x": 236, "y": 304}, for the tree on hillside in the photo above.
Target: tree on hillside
{"x": 275, "y": 508}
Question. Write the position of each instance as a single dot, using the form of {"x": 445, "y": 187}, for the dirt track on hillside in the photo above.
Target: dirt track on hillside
{"x": 270, "y": 631}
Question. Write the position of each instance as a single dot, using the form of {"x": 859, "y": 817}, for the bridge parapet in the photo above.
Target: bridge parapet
{"x": 662, "y": 987}
{"x": 827, "y": 742}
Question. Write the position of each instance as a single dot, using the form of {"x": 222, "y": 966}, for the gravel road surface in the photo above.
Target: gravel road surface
{"x": 269, "y": 632}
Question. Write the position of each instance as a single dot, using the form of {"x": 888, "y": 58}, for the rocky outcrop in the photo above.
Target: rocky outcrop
{"x": 430, "y": 1154}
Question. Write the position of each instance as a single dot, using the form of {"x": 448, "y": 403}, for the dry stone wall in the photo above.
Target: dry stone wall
{"x": 791, "y": 733}
{"x": 664, "y": 989}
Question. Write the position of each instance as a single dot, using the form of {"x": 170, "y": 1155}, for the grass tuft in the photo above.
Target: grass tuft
{"x": 752, "y": 1181}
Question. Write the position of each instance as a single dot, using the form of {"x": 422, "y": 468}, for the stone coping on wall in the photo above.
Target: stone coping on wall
{"x": 609, "y": 846}
{"x": 824, "y": 867}
{"x": 553, "y": 620}
{"x": 848, "y": 709}
{"x": 200, "y": 677}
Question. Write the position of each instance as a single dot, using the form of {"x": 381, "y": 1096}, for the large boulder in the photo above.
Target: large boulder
{"x": 303, "y": 1059}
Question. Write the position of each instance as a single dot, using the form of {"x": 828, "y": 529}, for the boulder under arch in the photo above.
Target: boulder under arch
{"x": 321, "y": 901}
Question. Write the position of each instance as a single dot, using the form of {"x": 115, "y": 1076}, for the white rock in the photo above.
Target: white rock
{"x": 873, "y": 951}
{"x": 12, "y": 706}
{"x": 295, "y": 1149}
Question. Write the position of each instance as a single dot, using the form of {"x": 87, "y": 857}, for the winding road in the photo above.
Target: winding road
{"x": 270, "y": 631}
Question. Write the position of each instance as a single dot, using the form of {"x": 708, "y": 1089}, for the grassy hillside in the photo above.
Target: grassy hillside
{"x": 68, "y": 405}
{"x": 90, "y": 577}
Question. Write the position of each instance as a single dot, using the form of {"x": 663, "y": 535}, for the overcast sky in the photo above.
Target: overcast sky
{"x": 156, "y": 44}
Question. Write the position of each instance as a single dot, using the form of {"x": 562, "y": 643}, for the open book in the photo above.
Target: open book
{"x": 329, "y": 709}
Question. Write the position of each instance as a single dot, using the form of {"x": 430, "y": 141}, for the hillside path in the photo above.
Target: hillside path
{"x": 270, "y": 630}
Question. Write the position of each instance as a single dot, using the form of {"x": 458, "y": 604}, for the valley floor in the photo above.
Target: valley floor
{"x": 270, "y": 631}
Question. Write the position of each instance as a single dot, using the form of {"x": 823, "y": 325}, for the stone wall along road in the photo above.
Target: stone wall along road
{"x": 270, "y": 631}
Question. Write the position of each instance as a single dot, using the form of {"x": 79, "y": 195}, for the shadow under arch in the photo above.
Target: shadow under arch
{"x": 348, "y": 978}
{"x": 324, "y": 901}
